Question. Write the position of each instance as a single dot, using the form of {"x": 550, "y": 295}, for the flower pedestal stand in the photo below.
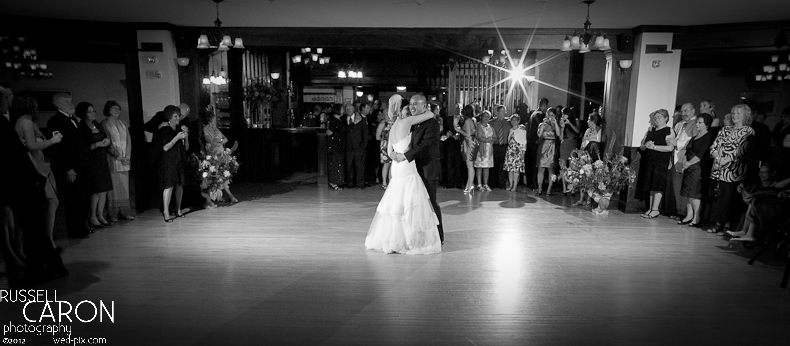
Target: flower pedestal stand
{"x": 603, "y": 203}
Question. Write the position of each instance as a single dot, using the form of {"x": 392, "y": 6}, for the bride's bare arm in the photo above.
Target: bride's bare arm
{"x": 416, "y": 119}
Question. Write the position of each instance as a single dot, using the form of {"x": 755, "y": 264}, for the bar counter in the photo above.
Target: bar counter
{"x": 268, "y": 155}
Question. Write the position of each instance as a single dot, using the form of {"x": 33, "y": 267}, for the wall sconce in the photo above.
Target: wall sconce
{"x": 275, "y": 75}
{"x": 183, "y": 62}
{"x": 400, "y": 88}
{"x": 625, "y": 65}
{"x": 360, "y": 93}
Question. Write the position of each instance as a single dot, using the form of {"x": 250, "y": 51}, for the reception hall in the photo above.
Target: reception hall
{"x": 222, "y": 196}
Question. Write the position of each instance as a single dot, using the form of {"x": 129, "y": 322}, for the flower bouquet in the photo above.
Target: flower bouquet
{"x": 601, "y": 178}
{"x": 216, "y": 172}
{"x": 259, "y": 91}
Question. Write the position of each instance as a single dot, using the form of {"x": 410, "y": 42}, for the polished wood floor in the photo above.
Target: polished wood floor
{"x": 287, "y": 266}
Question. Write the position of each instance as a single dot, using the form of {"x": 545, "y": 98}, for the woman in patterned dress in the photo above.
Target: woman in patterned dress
{"x": 729, "y": 168}
{"x": 382, "y": 134}
{"x": 516, "y": 148}
{"x": 485, "y": 154}
{"x": 548, "y": 131}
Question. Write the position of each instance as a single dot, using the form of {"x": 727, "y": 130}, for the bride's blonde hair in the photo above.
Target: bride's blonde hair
{"x": 393, "y": 112}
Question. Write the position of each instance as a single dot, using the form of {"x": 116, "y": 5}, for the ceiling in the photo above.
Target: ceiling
{"x": 613, "y": 14}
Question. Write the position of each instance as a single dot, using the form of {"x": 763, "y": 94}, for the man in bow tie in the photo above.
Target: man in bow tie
{"x": 69, "y": 165}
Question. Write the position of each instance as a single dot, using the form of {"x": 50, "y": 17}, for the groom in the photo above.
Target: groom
{"x": 424, "y": 150}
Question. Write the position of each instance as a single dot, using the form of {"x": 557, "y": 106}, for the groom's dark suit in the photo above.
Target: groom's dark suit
{"x": 424, "y": 151}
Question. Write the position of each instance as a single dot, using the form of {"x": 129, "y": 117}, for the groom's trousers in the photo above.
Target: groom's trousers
{"x": 430, "y": 185}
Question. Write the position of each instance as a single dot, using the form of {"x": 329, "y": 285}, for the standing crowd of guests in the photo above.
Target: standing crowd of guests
{"x": 481, "y": 149}
{"x": 728, "y": 172}
{"x": 81, "y": 164}
{"x": 78, "y": 164}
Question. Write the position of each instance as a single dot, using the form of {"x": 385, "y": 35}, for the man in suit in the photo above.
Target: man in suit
{"x": 25, "y": 196}
{"x": 425, "y": 152}
{"x": 69, "y": 165}
{"x": 356, "y": 145}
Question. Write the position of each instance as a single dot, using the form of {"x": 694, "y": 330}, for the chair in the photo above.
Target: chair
{"x": 774, "y": 238}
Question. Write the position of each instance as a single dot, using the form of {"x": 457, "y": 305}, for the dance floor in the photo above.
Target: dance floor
{"x": 287, "y": 266}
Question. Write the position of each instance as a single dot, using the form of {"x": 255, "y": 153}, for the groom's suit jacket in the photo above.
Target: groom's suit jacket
{"x": 424, "y": 149}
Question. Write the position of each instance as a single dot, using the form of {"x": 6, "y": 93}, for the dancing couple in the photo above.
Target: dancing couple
{"x": 408, "y": 219}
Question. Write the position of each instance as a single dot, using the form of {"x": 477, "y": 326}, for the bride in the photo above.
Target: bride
{"x": 404, "y": 220}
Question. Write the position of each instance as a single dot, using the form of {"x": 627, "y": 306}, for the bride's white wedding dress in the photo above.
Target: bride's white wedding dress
{"x": 404, "y": 220}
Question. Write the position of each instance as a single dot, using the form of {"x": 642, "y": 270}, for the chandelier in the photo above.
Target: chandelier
{"x": 585, "y": 40}
{"x": 310, "y": 56}
{"x": 779, "y": 68}
{"x": 216, "y": 38}
{"x": 20, "y": 57}
{"x": 350, "y": 72}
{"x": 496, "y": 59}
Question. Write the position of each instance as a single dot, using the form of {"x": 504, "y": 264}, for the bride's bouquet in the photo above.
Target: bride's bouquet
{"x": 216, "y": 172}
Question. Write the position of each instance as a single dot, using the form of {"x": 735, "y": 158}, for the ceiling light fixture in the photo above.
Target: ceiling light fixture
{"x": 310, "y": 56}
{"x": 586, "y": 40}
{"x": 216, "y": 38}
{"x": 21, "y": 58}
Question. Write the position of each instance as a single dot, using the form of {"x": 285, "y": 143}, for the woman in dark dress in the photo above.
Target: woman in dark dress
{"x": 336, "y": 152}
{"x": 99, "y": 179}
{"x": 172, "y": 161}
{"x": 694, "y": 178}
{"x": 654, "y": 165}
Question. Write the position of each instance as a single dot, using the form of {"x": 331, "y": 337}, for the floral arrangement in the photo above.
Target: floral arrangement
{"x": 599, "y": 178}
{"x": 215, "y": 171}
{"x": 260, "y": 91}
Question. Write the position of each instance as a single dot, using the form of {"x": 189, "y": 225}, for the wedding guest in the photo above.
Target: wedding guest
{"x": 485, "y": 153}
{"x": 11, "y": 248}
{"x": 548, "y": 131}
{"x": 356, "y": 143}
{"x": 781, "y": 144}
{"x": 382, "y": 134}
{"x": 469, "y": 145}
{"x": 708, "y": 107}
{"x": 215, "y": 146}
{"x": 173, "y": 158}
{"x": 683, "y": 131}
{"x": 501, "y": 127}
{"x": 24, "y": 114}
{"x": 372, "y": 165}
{"x": 591, "y": 140}
{"x": 98, "y": 170}
{"x": 569, "y": 127}
{"x": 654, "y": 167}
{"x": 533, "y": 153}
{"x": 70, "y": 165}
{"x": 767, "y": 204}
{"x": 23, "y": 192}
{"x": 336, "y": 151}
{"x": 694, "y": 177}
{"x": 120, "y": 151}
{"x": 729, "y": 168}
{"x": 517, "y": 146}
{"x": 454, "y": 160}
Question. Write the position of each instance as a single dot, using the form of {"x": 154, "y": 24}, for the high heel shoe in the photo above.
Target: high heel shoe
{"x": 650, "y": 215}
{"x": 168, "y": 219}
{"x": 683, "y": 222}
